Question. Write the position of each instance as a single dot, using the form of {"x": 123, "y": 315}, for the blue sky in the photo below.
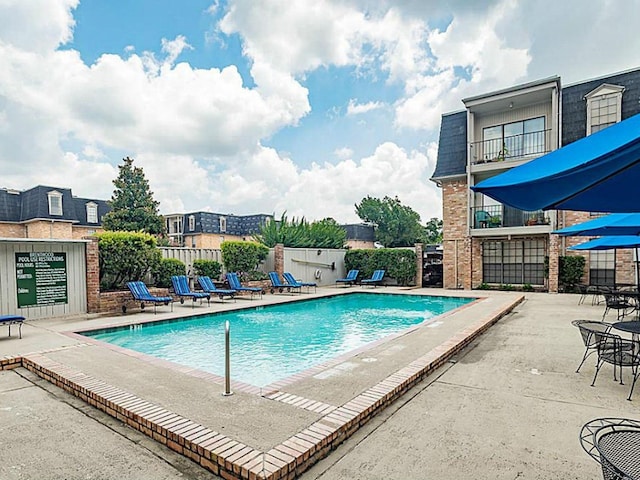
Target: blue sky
{"x": 248, "y": 107}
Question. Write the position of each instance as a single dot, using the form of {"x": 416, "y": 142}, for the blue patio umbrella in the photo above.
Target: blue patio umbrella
{"x": 598, "y": 173}
{"x": 614, "y": 224}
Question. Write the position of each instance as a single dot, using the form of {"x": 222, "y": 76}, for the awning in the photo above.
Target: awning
{"x": 598, "y": 173}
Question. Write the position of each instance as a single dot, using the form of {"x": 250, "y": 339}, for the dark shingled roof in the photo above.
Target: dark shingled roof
{"x": 452, "y": 146}
{"x": 34, "y": 203}
{"x": 574, "y": 105}
{"x": 208, "y": 222}
{"x": 359, "y": 231}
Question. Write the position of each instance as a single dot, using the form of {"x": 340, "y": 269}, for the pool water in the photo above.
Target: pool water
{"x": 273, "y": 342}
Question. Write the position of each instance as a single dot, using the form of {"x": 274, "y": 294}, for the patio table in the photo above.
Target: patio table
{"x": 630, "y": 327}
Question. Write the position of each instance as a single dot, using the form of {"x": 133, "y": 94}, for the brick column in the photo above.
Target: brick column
{"x": 554, "y": 263}
{"x": 419, "y": 264}
{"x": 278, "y": 252}
{"x": 93, "y": 275}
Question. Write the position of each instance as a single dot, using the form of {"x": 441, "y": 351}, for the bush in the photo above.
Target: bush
{"x": 166, "y": 268}
{"x": 207, "y": 268}
{"x": 527, "y": 287}
{"x": 253, "y": 275}
{"x": 397, "y": 263}
{"x": 124, "y": 257}
{"x": 243, "y": 256}
{"x": 483, "y": 286}
{"x": 571, "y": 270}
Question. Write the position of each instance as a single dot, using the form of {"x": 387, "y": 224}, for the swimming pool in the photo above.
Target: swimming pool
{"x": 273, "y": 342}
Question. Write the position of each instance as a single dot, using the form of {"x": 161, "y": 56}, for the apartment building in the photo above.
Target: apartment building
{"x": 486, "y": 242}
{"x": 49, "y": 213}
{"x": 209, "y": 230}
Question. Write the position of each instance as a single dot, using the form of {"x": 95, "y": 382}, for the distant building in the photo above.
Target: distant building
{"x": 360, "y": 235}
{"x": 49, "y": 212}
{"x": 209, "y": 230}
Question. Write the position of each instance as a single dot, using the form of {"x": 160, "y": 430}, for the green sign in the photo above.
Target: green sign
{"x": 41, "y": 278}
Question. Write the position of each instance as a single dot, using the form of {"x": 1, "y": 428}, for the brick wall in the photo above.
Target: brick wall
{"x": 112, "y": 302}
{"x": 93, "y": 275}
{"x": 419, "y": 264}
{"x": 278, "y": 258}
{"x": 12, "y": 230}
{"x": 456, "y": 244}
{"x": 49, "y": 229}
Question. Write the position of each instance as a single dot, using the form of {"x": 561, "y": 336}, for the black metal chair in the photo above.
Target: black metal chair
{"x": 613, "y": 443}
{"x": 621, "y": 304}
{"x": 583, "y": 290}
{"x": 618, "y": 352}
{"x": 587, "y": 329}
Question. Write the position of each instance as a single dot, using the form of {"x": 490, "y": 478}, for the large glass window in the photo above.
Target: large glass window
{"x": 602, "y": 267}
{"x": 92, "y": 212}
{"x": 55, "y": 203}
{"x": 514, "y": 262}
{"x": 516, "y": 139}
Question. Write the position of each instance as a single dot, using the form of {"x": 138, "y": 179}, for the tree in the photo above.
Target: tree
{"x": 302, "y": 234}
{"x": 132, "y": 205}
{"x": 396, "y": 225}
{"x": 433, "y": 231}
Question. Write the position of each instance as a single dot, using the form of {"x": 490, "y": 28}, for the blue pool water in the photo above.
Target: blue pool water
{"x": 273, "y": 342}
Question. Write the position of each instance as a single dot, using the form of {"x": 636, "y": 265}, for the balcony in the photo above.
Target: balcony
{"x": 503, "y": 216}
{"x": 511, "y": 148}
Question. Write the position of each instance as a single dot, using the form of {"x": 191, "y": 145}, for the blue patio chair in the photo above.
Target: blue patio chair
{"x": 278, "y": 285}
{"x": 141, "y": 294}
{"x": 375, "y": 280}
{"x": 181, "y": 288}
{"x": 350, "y": 279}
{"x": 234, "y": 283}
{"x": 12, "y": 320}
{"x": 207, "y": 286}
{"x": 290, "y": 279}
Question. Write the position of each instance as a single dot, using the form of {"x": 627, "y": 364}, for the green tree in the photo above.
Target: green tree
{"x": 396, "y": 225}
{"x": 433, "y": 231}
{"x": 302, "y": 234}
{"x": 133, "y": 208}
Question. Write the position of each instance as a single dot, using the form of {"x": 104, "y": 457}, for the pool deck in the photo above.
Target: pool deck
{"x": 384, "y": 403}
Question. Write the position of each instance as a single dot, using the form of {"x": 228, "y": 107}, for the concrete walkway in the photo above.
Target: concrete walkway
{"x": 509, "y": 406}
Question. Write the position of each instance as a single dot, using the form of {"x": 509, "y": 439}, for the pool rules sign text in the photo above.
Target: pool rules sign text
{"x": 41, "y": 278}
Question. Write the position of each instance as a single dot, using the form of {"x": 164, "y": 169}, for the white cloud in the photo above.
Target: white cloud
{"x": 343, "y": 153}
{"x": 355, "y": 108}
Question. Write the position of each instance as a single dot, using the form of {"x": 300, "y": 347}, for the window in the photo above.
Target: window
{"x": 602, "y": 267}
{"x": 223, "y": 224}
{"x": 516, "y": 139}
{"x": 604, "y": 107}
{"x": 192, "y": 223}
{"x": 55, "y": 203}
{"x": 92, "y": 212}
{"x": 513, "y": 262}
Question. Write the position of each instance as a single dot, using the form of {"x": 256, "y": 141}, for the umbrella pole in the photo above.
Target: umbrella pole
{"x": 637, "y": 268}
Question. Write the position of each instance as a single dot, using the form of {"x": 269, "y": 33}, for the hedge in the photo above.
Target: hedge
{"x": 397, "y": 263}
{"x": 208, "y": 268}
{"x": 242, "y": 256}
{"x": 167, "y": 267}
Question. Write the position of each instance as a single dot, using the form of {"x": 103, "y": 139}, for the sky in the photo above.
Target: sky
{"x": 273, "y": 106}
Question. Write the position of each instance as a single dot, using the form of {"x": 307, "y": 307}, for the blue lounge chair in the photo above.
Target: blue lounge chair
{"x": 181, "y": 288}
{"x": 207, "y": 286}
{"x": 141, "y": 294}
{"x": 234, "y": 283}
{"x": 276, "y": 284}
{"x": 290, "y": 279}
{"x": 375, "y": 280}
{"x": 350, "y": 279}
{"x": 12, "y": 320}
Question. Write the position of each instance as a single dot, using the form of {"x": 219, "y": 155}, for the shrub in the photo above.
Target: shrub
{"x": 507, "y": 286}
{"x": 166, "y": 268}
{"x": 125, "y": 256}
{"x": 253, "y": 275}
{"x": 484, "y": 286}
{"x": 208, "y": 268}
{"x": 397, "y": 263}
{"x": 302, "y": 234}
{"x": 571, "y": 269}
{"x": 527, "y": 287}
{"x": 242, "y": 256}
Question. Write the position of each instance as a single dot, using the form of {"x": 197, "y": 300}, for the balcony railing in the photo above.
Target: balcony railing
{"x": 511, "y": 148}
{"x": 496, "y": 216}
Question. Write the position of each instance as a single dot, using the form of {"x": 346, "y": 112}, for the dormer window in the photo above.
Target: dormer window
{"x": 604, "y": 107}
{"x": 55, "y": 203}
{"x": 223, "y": 224}
{"x": 92, "y": 212}
{"x": 192, "y": 223}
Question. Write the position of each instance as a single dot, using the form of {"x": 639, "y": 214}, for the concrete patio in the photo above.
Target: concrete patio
{"x": 509, "y": 405}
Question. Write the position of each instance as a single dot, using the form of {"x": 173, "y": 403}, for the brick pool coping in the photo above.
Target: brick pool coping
{"x": 232, "y": 459}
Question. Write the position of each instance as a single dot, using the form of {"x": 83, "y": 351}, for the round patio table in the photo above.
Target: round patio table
{"x": 631, "y": 327}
